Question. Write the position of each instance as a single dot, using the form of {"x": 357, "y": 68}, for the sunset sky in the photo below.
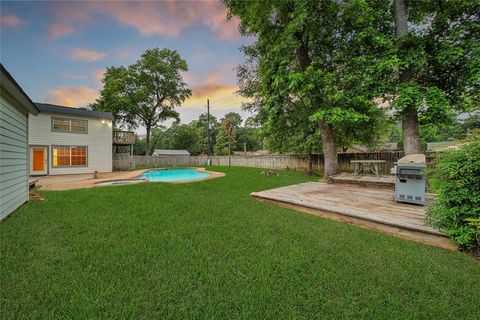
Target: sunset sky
{"x": 58, "y": 51}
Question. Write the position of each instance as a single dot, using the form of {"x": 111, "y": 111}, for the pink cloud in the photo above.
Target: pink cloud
{"x": 149, "y": 18}
{"x": 217, "y": 85}
{"x": 60, "y": 29}
{"x": 97, "y": 75}
{"x": 11, "y": 21}
{"x": 86, "y": 55}
{"x": 72, "y": 96}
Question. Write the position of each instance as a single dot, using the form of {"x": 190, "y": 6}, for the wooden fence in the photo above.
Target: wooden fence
{"x": 280, "y": 161}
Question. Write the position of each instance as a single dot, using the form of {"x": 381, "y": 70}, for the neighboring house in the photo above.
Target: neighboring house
{"x": 65, "y": 140}
{"x": 356, "y": 149}
{"x": 15, "y": 108}
{"x": 170, "y": 153}
{"x": 433, "y": 146}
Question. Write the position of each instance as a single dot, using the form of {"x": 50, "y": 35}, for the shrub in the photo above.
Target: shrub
{"x": 456, "y": 209}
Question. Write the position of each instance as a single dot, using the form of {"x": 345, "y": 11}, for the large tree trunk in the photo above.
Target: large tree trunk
{"x": 410, "y": 126}
{"x": 147, "y": 141}
{"x": 410, "y": 131}
{"x": 329, "y": 149}
{"x": 326, "y": 130}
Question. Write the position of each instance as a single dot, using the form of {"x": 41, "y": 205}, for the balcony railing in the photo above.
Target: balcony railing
{"x": 123, "y": 137}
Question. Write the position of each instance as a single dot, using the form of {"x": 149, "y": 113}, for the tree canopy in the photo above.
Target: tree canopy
{"x": 311, "y": 72}
{"x": 147, "y": 92}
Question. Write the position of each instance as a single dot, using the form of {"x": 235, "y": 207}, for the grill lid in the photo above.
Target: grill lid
{"x": 417, "y": 158}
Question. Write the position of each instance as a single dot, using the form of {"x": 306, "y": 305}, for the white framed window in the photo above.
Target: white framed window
{"x": 69, "y": 125}
{"x": 69, "y": 156}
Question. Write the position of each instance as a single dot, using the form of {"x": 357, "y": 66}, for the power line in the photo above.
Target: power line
{"x": 227, "y": 105}
{"x": 227, "y": 102}
{"x": 225, "y": 99}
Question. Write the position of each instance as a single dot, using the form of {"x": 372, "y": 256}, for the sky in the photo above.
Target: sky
{"x": 58, "y": 50}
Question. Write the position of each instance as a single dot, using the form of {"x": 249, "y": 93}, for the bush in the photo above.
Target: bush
{"x": 456, "y": 209}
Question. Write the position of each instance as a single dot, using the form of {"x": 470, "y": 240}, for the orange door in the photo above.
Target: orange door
{"x": 38, "y": 159}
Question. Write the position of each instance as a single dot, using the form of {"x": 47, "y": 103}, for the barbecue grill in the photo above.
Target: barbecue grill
{"x": 410, "y": 179}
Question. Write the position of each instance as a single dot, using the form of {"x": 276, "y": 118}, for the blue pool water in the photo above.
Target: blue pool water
{"x": 168, "y": 175}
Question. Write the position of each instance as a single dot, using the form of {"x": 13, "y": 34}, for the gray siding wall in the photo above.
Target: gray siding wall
{"x": 98, "y": 140}
{"x": 13, "y": 158}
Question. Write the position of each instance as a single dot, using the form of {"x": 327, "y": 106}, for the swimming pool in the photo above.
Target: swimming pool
{"x": 170, "y": 175}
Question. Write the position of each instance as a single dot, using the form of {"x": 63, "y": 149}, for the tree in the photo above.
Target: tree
{"x": 139, "y": 146}
{"x": 146, "y": 92}
{"x": 161, "y": 139}
{"x": 434, "y": 67}
{"x": 226, "y": 135}
{"x": 202, "y": 128}
{"x": 235, "y": 118}
{"x": 312, "y": 72}
{"x": 185, "y": 137}
{"x": 248, "y": 135}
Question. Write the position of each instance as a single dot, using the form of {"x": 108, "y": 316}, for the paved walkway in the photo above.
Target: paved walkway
{"x": 83, "y": 180}
{"x": 86, "y": 180}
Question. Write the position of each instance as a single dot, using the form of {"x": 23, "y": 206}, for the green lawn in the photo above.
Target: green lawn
{"x": 208, "y": 250}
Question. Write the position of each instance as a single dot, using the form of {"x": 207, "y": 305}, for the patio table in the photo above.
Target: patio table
{"x": 360, "y": 166}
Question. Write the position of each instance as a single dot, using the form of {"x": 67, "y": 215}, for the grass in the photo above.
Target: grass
{"x": 208, "y": 250}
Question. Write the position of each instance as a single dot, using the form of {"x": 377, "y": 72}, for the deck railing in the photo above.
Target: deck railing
{"x": 123, "y": 137}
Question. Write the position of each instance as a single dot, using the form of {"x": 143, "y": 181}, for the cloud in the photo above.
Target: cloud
{"x": 97, "y": 75}
{"x": 73, "y": 76}
{"x": 149, "y": 18}
{"x": 219, "y": 86}
{"x": 11, "y": 21}
{"x": 60, "y": 29}
{"x": 72, "y": 96}
{"x": 221, "y": 96}
{"x": 87, "y": 55}
{"x": 210, "y": 89}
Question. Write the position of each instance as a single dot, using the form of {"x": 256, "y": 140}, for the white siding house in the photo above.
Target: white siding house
{"x": 15, "y": 107}
{"x": 66, "y": 140}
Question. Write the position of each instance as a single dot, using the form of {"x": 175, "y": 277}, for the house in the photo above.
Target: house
{"x": 356, "y": 149}
{"x": 65, "y": 140}
{"x": 170, "y": 153}
{"x": 436, "y": 146}
{"x": 15, "y": 109}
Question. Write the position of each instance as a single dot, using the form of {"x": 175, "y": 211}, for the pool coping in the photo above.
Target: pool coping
{"x": 91, "y": 183}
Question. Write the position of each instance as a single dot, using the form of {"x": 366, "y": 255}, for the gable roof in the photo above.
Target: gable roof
{"x": 16, "y": 92}
{"x": 168, "y": 152}
{"x": 53, "y": 108}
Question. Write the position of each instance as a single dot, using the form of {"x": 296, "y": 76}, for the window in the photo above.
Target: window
{"x": 69, "y": 125}
{"x": 69, "y": 156}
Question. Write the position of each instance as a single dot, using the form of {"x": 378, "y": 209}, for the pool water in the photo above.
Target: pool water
{"x": 169, "y": 175}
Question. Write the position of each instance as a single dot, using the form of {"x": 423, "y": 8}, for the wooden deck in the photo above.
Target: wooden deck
{"x": 365, "y": 180}
{"x": 372, "y": 208}
{"x": 32, "y": 182}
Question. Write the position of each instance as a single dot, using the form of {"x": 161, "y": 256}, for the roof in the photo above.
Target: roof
{"x": 53, "y": 108}
{"x": 13, "y": 88}
{"x": 439, "y": 145}
{"x": 168, "y": 152}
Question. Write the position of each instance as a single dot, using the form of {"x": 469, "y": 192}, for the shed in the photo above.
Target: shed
{"x": 170, "y": 153}
{"x": 15, "y": 108}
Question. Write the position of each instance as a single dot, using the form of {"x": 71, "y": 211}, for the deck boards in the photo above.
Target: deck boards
{"x": 358, "y": 203}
